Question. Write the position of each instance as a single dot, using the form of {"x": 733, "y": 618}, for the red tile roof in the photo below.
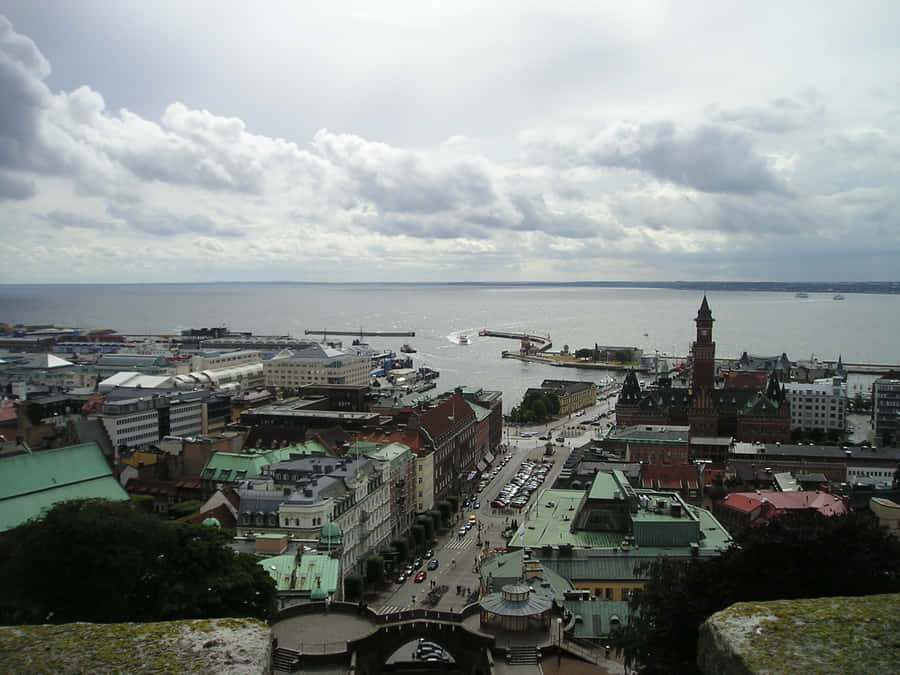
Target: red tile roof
{"x": 449, "y": 414}
{"x": 775, "y": 503}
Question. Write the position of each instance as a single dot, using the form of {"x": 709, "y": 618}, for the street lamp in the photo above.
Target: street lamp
{"x": 558, "y": 641}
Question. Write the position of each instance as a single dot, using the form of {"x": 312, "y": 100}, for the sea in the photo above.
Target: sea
{"x": 862, "y": 328}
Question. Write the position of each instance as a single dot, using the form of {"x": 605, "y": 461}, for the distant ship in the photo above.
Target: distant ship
{"x": 463, "y": 340}
{"x": 838, "y": 297}
{"x": 801, "y": 295}
{"x": 406, "y": 349}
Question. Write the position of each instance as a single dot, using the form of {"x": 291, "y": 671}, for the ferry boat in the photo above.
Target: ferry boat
{"x": 463, "y": 340}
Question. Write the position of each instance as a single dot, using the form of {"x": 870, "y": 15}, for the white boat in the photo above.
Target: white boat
{"x": 838, "y": 297}
{"x": 463, "y": 340}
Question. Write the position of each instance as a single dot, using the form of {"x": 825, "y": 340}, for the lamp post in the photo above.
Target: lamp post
{"x": 558, "y": 641}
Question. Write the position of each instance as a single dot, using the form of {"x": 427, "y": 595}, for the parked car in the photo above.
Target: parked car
{"x": 429, "y": 553}
{"x": 417, "y": 563}
{"x": 400, "y": 578}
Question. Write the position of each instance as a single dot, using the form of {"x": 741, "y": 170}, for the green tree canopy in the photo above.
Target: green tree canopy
{"x": 802, "y": 555}
{"x": 375, "y": 570}
{"x": 101, "y": 561}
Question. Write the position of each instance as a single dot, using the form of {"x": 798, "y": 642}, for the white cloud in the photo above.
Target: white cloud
{"x": 573, "y": 143}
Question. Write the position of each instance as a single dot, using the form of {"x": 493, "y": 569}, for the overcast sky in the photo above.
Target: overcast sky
{"x": 420, "y": 141}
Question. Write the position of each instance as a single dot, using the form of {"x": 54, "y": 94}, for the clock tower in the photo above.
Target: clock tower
{"x": 703, "y": 350}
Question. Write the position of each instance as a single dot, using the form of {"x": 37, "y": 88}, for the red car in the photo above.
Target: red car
{"x": 420, "y": 576}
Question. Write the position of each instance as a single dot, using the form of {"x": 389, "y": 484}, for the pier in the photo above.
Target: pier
{"x": 363, "y": 333}
{"x": 525, "y": 338}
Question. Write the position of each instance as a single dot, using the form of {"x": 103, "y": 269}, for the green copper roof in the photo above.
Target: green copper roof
{"x": 33, "y": 483}
{"x": 481, "y": 412}
{"x": 314, "y": 572}
{"x": 231, "y": 466}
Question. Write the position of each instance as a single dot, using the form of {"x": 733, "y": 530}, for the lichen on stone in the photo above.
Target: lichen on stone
{"x": 838, "y": 635}
{"x": 200, "y": 646}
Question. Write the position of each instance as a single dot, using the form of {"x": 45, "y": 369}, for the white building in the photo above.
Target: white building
{"x": 299, "y": 496}
{"x": 820, "y": 405}
{"x": 144, "y": 417}
{"x": 316, "y": 364}
{"x": 220, "y": 360}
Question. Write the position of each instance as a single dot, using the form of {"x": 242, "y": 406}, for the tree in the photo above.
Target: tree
{"x": 446, "y": 510}
{"x": 375, "y": 570}
{"x": 401, "y": 545}
{"x": 184, "y": 509}
{"x": 584, "y": 354}
{"x": 428, "y": 526}
{"x": 454, "y": 503}
{"x": 418, "y": 535}
{"x": 95, "y": 560}
{"x": 353, "y": 587}
{"x": 436, "y": 519}
{"x": 802, "y": 555}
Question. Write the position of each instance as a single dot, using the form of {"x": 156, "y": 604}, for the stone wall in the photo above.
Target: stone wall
{"x": 201, "y": 646}
{"x": 820, "y": 635}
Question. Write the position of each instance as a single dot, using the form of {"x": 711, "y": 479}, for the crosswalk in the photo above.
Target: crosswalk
{"x": 459, "y": 544}
{"x": 390, "y": 609}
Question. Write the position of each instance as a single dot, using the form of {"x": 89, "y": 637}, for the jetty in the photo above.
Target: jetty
{"x": 531, "y": 344}
{"x": 362, "y": 333}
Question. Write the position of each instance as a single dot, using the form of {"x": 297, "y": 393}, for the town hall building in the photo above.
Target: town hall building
{"x": 714, "y": 415}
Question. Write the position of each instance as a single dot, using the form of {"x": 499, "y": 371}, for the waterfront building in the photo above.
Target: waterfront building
{"x": 222, "y": 360}
{"x": 886, "y": 408}
{"x": 316, "y": 364}
{"x": 573, "y": 395}
{"x": 818, "y": 406}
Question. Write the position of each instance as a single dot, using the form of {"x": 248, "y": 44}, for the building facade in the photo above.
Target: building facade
{"x": 819, "y": 406}
{"x": 886, "y": 408}
{"x": 316, "y": 364}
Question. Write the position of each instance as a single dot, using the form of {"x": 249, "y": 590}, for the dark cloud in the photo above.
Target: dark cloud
{"x": 23, "y": 95}
{"x": 60, "y": 219}
{"x": 14, "y": 188}
{"x": 164, "y": 223}
{"x": 709, "y": 158}
{"x": 534, "y": 216}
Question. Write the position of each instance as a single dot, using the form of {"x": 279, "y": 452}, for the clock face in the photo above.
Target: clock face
{"x": 704, "y": 331}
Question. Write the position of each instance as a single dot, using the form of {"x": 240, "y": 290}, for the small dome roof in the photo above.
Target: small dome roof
{"x": 212, "y": 522}
{"x": 331, "y": 530}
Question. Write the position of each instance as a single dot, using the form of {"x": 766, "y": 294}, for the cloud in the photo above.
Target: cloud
{"x": 159, "y": 222}
{"x": 15, "y": 188}
{"x": 779, "y": 115}
{"x": 23, "y": 95}
{"x": 709, "y": 158}
{"x": 61, "y": 219}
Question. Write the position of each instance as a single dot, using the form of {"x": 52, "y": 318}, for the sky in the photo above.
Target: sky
{"x": 432, "y": 141}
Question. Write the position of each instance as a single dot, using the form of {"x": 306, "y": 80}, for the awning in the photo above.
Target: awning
{"x": 488, "y": 457}
{"x": 481, "y": 465}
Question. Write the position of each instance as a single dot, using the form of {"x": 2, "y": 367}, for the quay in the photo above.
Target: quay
{"x": 363, "y": 333}
{"x": 564, "y": 362}
{"x": 524, "y": 337}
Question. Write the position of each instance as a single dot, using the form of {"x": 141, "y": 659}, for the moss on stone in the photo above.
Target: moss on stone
{"x": 201, "y": 646}
{"x": 838, "y": 635}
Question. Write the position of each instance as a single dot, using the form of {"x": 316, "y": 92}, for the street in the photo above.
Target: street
{"x": 457, "y": 555}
